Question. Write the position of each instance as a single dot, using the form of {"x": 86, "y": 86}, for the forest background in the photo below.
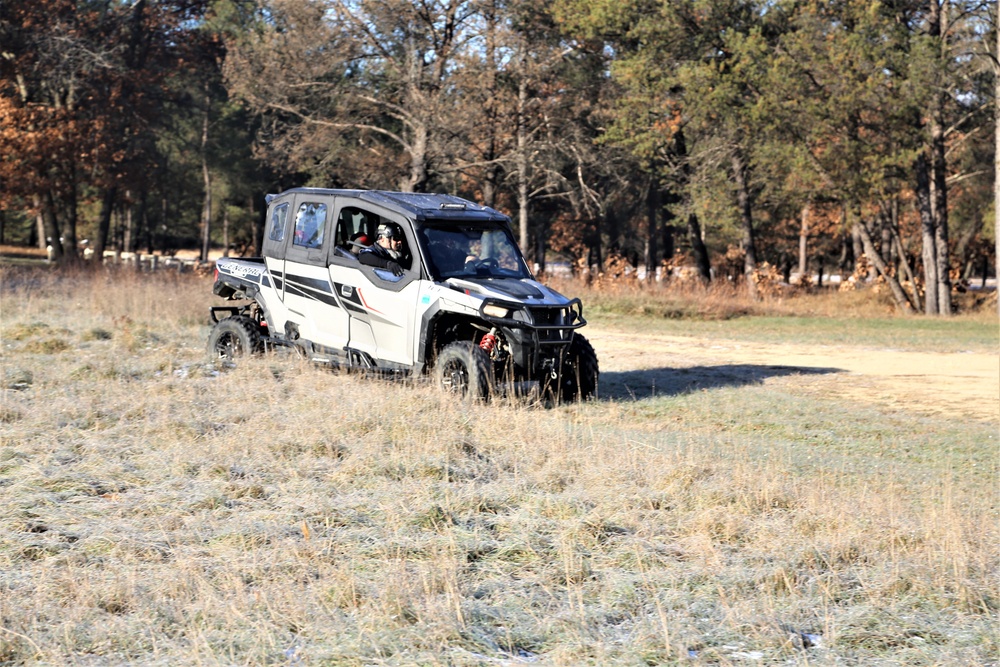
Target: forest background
{"x": 726, "y": 140}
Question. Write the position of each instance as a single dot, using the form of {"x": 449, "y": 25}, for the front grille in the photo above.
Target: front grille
{"x": 548, "y": 317}
{"x": 551, "y": 324}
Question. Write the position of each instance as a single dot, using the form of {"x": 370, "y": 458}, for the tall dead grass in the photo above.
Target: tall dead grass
{"x": 159, "y": 510}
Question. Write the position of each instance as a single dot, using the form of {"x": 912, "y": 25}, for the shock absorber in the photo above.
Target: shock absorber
{"x": 489, "y": 342}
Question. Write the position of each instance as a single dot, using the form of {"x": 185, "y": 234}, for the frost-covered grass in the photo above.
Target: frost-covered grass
{"x": 158, "y": 511}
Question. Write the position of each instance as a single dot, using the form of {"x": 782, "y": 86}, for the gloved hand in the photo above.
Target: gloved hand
{"x": 396, "y": 269}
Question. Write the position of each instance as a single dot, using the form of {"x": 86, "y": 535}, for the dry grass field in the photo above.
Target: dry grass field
{"x": 707, "y": 510}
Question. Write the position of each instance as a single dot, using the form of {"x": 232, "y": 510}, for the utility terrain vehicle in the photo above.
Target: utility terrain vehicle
{"x": 464, "y": 307}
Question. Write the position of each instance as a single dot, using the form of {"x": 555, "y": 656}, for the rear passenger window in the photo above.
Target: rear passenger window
{"x": 309, "y": 224}
{"x": 354, "y": 221}
{"x": 278, "y": 218}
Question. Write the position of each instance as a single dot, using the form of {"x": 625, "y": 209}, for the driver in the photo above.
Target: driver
{"x": 473, "y": 254}
{"x": 388, "y": 251}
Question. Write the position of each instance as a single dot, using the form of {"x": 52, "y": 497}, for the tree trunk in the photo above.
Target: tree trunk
{"x": 698, "y": 247}
{"x": 939, "y": 165}
{"x": 803, "y": 244}
{"x": 63, "y": 204}
{"x": 50, "y": 225}
{"x": 522, "y": 163}
{"x": 652, "y": 208}
{"x": 939, "y": 168}
{"x": 904, "y": 263}
{"x": 996, "y": 162}
{"x": 491, "y": 173}
{"x": 613, "y": 227}
{"x": 669, "y": 246}
{"x": 117, "y": 232}
{"x": 490, "y": 186}
{"x": 746, "y": 222}
{"x": 104, "y": 223}
{"x": 898, "y": 256}
{"x": 256, "y": 249}
{"x": 857, "y": 247}
{"x": 127, "y": 243}
{"x": 786, "y": 267}
{"x": 846, "y": 258}
{"x": 597, "y": 252}
{"x": 162, "y": 231}
{"x": 225, "y": 230}
{"x": 206, "y": 212}
{"x": 206, "y": 208}
{"x": 885, "y": 243}
{"x": 929, "y": 243}
{"x": 540, "y": 243}
{"x": 966, "y": 257}
{"x": 693, "y": 224}
{"x": 417, "y": 181}
{"x": 898, "y": 294}
{"x": 142, "y": 216}
{"x": 39, "y": 228}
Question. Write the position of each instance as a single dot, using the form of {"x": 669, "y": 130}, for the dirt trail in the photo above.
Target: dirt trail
{"x": 965, "y": 385}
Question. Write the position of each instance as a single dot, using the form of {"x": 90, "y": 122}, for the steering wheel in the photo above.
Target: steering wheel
{"x": 487, "y": 263}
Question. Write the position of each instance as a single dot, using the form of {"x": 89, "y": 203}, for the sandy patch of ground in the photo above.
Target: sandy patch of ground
{"x": 962, "y": 385}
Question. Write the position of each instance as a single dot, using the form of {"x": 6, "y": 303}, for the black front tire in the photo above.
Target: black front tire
{"x": 462, "y": 368}
{"x": 579, "y": 372}
{"x": 233, "y": 338}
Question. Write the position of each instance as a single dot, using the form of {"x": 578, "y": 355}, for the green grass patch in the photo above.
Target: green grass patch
{"x": 25, "y": 331}
{"x": 959, "y": 334}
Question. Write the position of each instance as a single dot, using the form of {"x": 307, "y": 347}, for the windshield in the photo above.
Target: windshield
{"x": 471, "y": 251}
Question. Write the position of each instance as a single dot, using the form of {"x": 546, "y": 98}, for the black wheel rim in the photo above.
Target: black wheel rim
{"x": 455, "y": 377}
{"x": 228, "y": 346}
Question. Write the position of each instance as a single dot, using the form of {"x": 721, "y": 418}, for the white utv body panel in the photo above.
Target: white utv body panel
{"x": 464, "y": 283}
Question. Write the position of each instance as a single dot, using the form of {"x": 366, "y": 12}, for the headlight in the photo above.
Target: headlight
{"x": 494, "y": 310}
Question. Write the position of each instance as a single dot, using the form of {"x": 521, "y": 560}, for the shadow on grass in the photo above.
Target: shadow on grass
{"x": 642, "y": 384}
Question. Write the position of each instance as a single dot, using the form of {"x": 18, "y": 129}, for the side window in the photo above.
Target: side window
{"x": 278, "y": 218}
{"x": 356, "y": 229}
{"x": 353, "y": 221}
{"x": 310, "y": 222}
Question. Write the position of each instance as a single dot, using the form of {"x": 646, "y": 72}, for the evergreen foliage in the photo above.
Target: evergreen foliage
{"x": 737, "y": 135}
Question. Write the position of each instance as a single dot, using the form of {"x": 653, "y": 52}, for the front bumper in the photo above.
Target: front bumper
{"x": 537, "y": 334}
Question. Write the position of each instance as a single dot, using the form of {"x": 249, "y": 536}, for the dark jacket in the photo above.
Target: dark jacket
{"x": 376, "y": 255}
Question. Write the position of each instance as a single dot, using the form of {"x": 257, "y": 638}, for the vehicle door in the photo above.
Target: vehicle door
{"x": 312, "y": 305}
{"x": 381, "y": 306}
{"x": 273, "y": 285}
{"x": 274, "y": 243}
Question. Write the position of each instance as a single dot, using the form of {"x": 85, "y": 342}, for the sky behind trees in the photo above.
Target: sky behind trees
{"x": 728, "y": 136}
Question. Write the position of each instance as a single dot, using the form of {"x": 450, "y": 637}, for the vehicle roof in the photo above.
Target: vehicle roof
{"x": 417, "y": 205}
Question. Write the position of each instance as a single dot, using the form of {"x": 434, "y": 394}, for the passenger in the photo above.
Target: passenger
{"x": 359, "y": 242}
{"x": 388, "y": 252}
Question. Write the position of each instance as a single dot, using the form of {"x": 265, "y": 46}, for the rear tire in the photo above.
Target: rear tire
{"x": 579, "y": 373}
{"x": 465, "y": 370}
{"x": 233, "y": 338}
